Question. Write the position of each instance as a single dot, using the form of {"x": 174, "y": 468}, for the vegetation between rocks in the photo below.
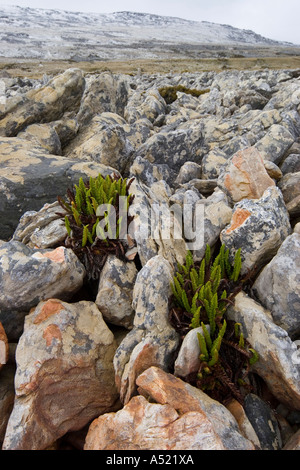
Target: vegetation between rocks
{"x": 169, "y": 93}
{"x": 95, "y": 210}
{"x": 201, "y": 295}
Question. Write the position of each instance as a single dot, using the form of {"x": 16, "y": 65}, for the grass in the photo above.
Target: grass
{"x": 36, "y": 68}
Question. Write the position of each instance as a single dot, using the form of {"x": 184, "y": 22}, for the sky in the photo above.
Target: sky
{"x": 275, "y": 19}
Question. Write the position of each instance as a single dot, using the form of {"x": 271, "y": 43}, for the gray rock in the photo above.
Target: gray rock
{"x": 28, "y": 276}
{"x": 152, "y": 341}
{"x": 30, "y": 177}
{"x": 290, "y": 187}
{"x": 188, "y": 171}
{"x": 114, "y": 298}
{"x": 103, "y": 93}
{"x": 276, "y": 350}
{"x": 275, "y": 143}
{"x": 291, "y": 164}
{"x": 63, "y": 93}
{"x": 277, "y": 286}
{"x": 264, "y": 422}
{"x": 258, "y": 227}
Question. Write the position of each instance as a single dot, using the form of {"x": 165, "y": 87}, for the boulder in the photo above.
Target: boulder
{"x": 48, "y": 103}
{"x": 290, "y": 188}
{"x": 274, "y": 347}
{"x": 114, "y": 297}
{"x": 275, "y": 143}
{"x": 277, "y": 286}
{"x": 64, "y": 376}
{"x": 258, "y": 227}
{"x": 3, "y": 347}
{"x": 28, "y": 276}
{"x": 245, "y": 176}
{"x": 152, "y": 341}
{"x": 30, "y": 177}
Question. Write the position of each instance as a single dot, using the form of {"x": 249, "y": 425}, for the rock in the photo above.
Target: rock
{"x": 103, "y": 141}
{"x": 114, "y": 298}
{"x": 174, "y": 148}
{"x": 217, "y": 215}
{"x": 103, "y": 93}
{"x": 290, "y": 188}
{"x": 141, "y": 425}
{"x": 258, "y": 227}
{"x": 273, "y": 170}
{"x": 3, "y": 347}
{"x": 264, "y": 422}
{"x": 44, "y": 135}
{"x": 143, "y": 105}
{"x": 64, "y": 376}
{"x": 42, "y": 229}
{"x": 245, "y": 427}
{"x": 277, "y": 286}
{"x": 157, "y": 224}
{"x": 245, "y": 176}
{"x": 48, "y": 103}
{"x": 274, "y": 347}
{"x": 275, "y": 143}
{"x": 7, "y": 397}
{"x": 30, "y": 177}
{"x": 212, "y": 163}
{"x": 188, "y": 171}
{"x": 291, "y": 164}
{"x": 187, "y": 361}
{"x": 294, "y": 442}
{"x": 152, "y": 341}
{"x": 164, "y": 388}
{"x": 28, "y": 276}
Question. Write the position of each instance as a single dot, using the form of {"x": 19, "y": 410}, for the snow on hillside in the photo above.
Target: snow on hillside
{"x": 56, "y": 34}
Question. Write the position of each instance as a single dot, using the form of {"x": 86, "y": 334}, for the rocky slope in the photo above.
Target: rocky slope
{"x": 55, "y": 34}
{"x": 98, "y": 365}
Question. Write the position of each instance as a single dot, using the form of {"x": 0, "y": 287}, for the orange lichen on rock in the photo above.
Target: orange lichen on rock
{"x": 238, "y": 218}
{"x": 50, "y": 307}
{"x": 52, "y": 331}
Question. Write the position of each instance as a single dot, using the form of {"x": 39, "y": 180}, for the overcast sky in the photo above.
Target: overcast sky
{"x": 275, "y": 19}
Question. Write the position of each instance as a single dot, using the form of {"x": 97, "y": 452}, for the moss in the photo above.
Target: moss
{"x": 169, "y": 93}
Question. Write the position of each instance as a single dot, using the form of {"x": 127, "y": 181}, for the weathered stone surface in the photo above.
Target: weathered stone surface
{"x": 28, "y": 276}
{"x": 258, "y": 227}
{"x": 44, "y": 135}
{"x": 152, "y": 341}
{"x": 291, "y": 164}
{"x": 245, "y": 176}
{"x": 103, "y": 92}
{"x": 290, "y": 187}
{"x": 103, "y": 141}
{"x": 187, "y": 361}
{"x": 275, "y": 349}
{"x": 188, "y": 171}
{"x": 114, "y": 297}
{"x": 3, "y": 347}
{"x": 7, "y": 397}
{"x": 164, "y": 388}
{"x": 45, "y": 104}
{"x": 64, "y": 374}
{"x": 42, "y": 229}
{"x": 156, "y": 228}
{"x": 264, "y": 422}
{"x": 30, "y": 177}
{"x": 293, "y": 443}
{"x": 275, "y": 143}
{"x": 245, "y": 426}
{"x": 278, "y": 288}
{"x": 141, "y": 425}
{"x": 142, "y": 105}
{"x": 212, "y": 163}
